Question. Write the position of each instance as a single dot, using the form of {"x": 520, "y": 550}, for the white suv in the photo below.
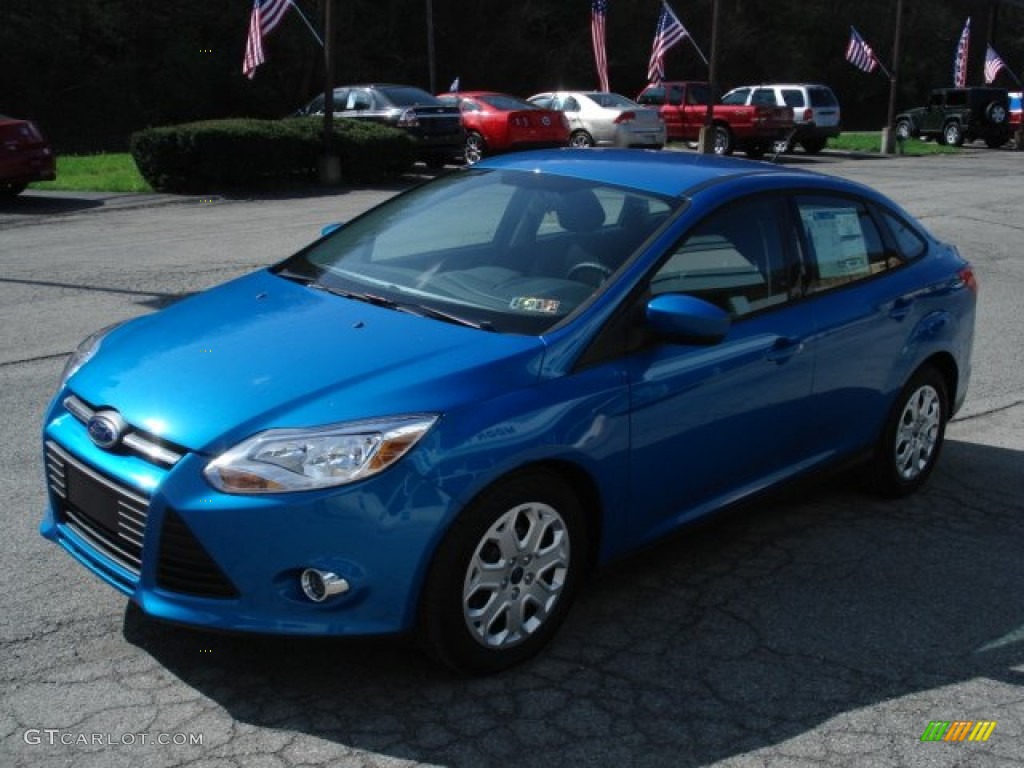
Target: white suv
{"x": 815, "y": 111}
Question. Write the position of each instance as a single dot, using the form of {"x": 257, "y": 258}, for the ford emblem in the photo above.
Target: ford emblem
{"x": 105, "y": 429}
{"x": 545, "y": 120}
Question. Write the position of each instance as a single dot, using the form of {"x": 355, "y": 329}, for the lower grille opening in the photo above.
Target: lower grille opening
{"x": 185, "y": 566}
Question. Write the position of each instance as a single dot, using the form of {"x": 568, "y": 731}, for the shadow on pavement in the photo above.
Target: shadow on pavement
{"x": 742, "y": 634}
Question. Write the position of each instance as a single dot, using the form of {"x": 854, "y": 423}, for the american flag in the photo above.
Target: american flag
{"x": 669, "y": 32}
{"x": 266, "y": 14}
{"x": 960, "y": 63}
{"x": 598, "y": 10}
{"x": 992, "y": 64}
{"x": 860, "y": 54}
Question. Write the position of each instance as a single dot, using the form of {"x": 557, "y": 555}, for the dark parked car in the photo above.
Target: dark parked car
{"x": 438, "y": 417}
{"x": 25, "y": 156}
{"x": 956, "y": 115}
{"x": 436, "y": 127}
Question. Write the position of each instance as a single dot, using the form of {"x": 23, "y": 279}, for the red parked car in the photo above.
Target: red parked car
{"x": 498, "y": 122}
{"x": 24, "y": 156}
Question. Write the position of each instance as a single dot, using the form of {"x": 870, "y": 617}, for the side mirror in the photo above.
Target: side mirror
{"x": 687, "y": 320}
{"x": 330, "y": 228}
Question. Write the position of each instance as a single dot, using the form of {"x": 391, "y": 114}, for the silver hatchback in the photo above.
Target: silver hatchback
{"x": 605, "y": 119}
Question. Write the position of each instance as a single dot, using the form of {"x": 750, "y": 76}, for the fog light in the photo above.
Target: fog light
{"x": 319, "y": 585}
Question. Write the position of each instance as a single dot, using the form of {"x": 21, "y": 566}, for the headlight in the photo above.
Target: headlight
{"x": 85, "y": 352}
{"x": 283, "y": 460}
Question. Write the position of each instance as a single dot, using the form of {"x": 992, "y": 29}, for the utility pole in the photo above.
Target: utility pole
{"x": 430, "y": 46}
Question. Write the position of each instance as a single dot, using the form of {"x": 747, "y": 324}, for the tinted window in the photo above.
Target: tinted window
{"x": 654, "y": 95}
{"x": 737, "y": 97}
{"x": 407, "y": 96}
{"x": 507, "y": 103}
{"x": 793, "y": 97}
{"x": 763, "y": 97}
{"x": 956, "y": 98}
{"x": 822, "y": 97}
{"x": 842, "y": 240}
{"x": 736, "y": 259}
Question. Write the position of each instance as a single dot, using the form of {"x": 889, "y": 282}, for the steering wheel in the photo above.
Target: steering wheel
{"x": 594, "y": 266}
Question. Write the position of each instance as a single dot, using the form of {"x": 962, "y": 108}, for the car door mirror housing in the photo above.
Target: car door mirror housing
{"x": 686, "y": 320}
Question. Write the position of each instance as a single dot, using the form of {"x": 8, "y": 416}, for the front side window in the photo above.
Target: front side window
{"x": 737, "y": 97}
{"x": 842, "y": 242}
{"x": 736, "y": 259}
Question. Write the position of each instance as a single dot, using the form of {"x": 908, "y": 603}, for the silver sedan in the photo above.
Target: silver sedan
{"x": 605, "y": 119}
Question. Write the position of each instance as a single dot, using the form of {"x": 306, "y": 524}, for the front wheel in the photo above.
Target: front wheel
{"x": 912, "y": 438}
{"x": 504, "y": 577}
{"x": 903, "y": 130}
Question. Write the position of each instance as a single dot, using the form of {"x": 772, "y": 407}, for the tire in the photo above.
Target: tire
{"x": 505, "y": 575}
{"x": 581, "y": 139}
{"x": 996, "y": 113}
{"x": 995, "y": 142}
{"x": 474, "y": 152}
{"x": 782, "y": 147}
{"x": 953, "y": 134}
{"x": 723, "y": 140}
{"x": 904, "y": 131}
{"x": 11, "y": 190}
{"x": 913, "y": 434}
{"x": 813, "y": 146}
{"x": 755, "y": 151}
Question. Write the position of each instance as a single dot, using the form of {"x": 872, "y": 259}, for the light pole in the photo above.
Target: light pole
{"x": 430, "y": 46}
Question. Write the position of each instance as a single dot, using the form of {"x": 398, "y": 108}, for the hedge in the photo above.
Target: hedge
{"x": 237, "y": 153}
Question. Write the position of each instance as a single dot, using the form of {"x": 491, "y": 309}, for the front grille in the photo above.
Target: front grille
{"x": 185, "y": 566}
{"x": 111, "y": 518}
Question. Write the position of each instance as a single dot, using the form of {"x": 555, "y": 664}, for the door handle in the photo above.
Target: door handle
{"x": 901, "y": 307}
{"x": 783, "y": 349}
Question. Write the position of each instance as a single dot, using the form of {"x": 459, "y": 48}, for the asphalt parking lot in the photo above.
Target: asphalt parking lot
{"x": 822, "y": 628}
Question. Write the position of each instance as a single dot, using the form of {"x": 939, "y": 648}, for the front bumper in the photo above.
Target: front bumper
{"x": 189, "y": 554}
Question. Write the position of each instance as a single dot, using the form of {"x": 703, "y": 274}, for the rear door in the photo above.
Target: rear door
{"x": 863, "y": 309}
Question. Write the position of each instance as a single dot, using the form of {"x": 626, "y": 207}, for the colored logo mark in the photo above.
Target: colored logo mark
{"x": 958, "y": 730}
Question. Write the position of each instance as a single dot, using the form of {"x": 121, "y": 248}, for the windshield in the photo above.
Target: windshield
{"x": 612, "y": 101}
{"x": 510, "y": 251}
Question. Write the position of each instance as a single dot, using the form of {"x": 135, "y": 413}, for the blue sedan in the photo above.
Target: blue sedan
{"x": 441, "y": 415}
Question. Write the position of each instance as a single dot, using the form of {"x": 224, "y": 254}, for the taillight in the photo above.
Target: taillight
{"x": 967, "y": 277}
{"x": 808, "y": 114}
{"x": 625, "y": 117}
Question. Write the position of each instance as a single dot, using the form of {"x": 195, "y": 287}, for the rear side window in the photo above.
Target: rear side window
{"x": 908, "y": 241}
{"x": 763, "y": 97}
{"x": 842, "y": 241}
{"x": 822, "y": 97}
{"x": 793, "y": 97}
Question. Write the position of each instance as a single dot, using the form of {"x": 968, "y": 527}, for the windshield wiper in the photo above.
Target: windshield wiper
{"x": 410, "y": 309}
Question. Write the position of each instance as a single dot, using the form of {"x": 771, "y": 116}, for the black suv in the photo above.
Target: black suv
{"x": 956, "y": 115}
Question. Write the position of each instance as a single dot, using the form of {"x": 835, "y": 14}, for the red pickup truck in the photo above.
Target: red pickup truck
{"x": 683, "y": 105}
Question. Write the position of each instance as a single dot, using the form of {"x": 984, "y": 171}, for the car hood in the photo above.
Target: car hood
{"x": 263, "y": 352}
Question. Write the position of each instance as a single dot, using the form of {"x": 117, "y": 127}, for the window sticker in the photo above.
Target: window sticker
{"x": 838, "y": 242}
{"x": 536, "y": 304}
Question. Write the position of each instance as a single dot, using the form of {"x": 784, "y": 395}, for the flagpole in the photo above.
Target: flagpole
{"x": 309, "y": 26}
{"x": 692, "y": 41}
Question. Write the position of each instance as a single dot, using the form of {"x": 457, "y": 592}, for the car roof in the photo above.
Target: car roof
{"x": 663, "y": 172}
